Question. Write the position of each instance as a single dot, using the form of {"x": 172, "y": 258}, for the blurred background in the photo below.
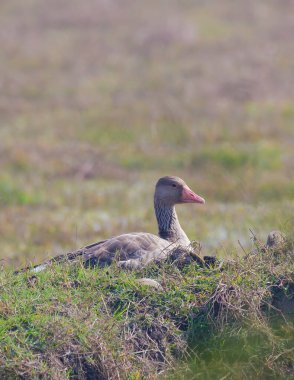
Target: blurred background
{"x": 100, "y": 98}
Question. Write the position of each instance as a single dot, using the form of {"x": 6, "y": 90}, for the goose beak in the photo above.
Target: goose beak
{"x": 188, "y": 196}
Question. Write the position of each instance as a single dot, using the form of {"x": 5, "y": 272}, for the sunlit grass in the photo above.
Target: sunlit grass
{"x": 69, "y": 318}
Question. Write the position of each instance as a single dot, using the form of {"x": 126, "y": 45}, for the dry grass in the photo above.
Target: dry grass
{"x": 78, "y": 323}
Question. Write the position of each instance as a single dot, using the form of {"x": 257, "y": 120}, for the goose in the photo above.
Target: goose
{"x": 137, "y": 249}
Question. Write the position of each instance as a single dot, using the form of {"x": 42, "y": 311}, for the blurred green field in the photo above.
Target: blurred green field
{"x": 100, "y": 98}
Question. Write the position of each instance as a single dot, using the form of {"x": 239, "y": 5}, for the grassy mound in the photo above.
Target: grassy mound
{"x": 73, "y": 322}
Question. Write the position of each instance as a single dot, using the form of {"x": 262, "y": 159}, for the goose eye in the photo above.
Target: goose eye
{"x": 174, "y": 185}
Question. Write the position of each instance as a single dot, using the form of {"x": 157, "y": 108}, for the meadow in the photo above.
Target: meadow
{"x": 101, "y": 98}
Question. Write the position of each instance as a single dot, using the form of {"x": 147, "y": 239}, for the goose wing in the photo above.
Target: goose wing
{"x": 125, "y": 247}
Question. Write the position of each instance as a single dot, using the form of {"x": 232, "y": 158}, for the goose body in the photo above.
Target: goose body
{"x": 133, "y": 250}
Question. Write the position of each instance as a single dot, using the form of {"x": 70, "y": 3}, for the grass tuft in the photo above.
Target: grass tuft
{"x": 73, "y": 322}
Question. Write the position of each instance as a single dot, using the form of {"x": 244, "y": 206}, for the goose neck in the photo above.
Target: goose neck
{"x": 169, "y": 227}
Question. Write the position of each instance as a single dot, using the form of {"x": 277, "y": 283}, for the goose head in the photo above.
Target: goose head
{"x": 170, "y": 191}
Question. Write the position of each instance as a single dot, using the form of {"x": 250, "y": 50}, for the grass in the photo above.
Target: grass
{"x": 99, "y": 100}
{"x": 244, "y": 352}
{"x": 72, "y": 322}
{"x": 263, "y": 157}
